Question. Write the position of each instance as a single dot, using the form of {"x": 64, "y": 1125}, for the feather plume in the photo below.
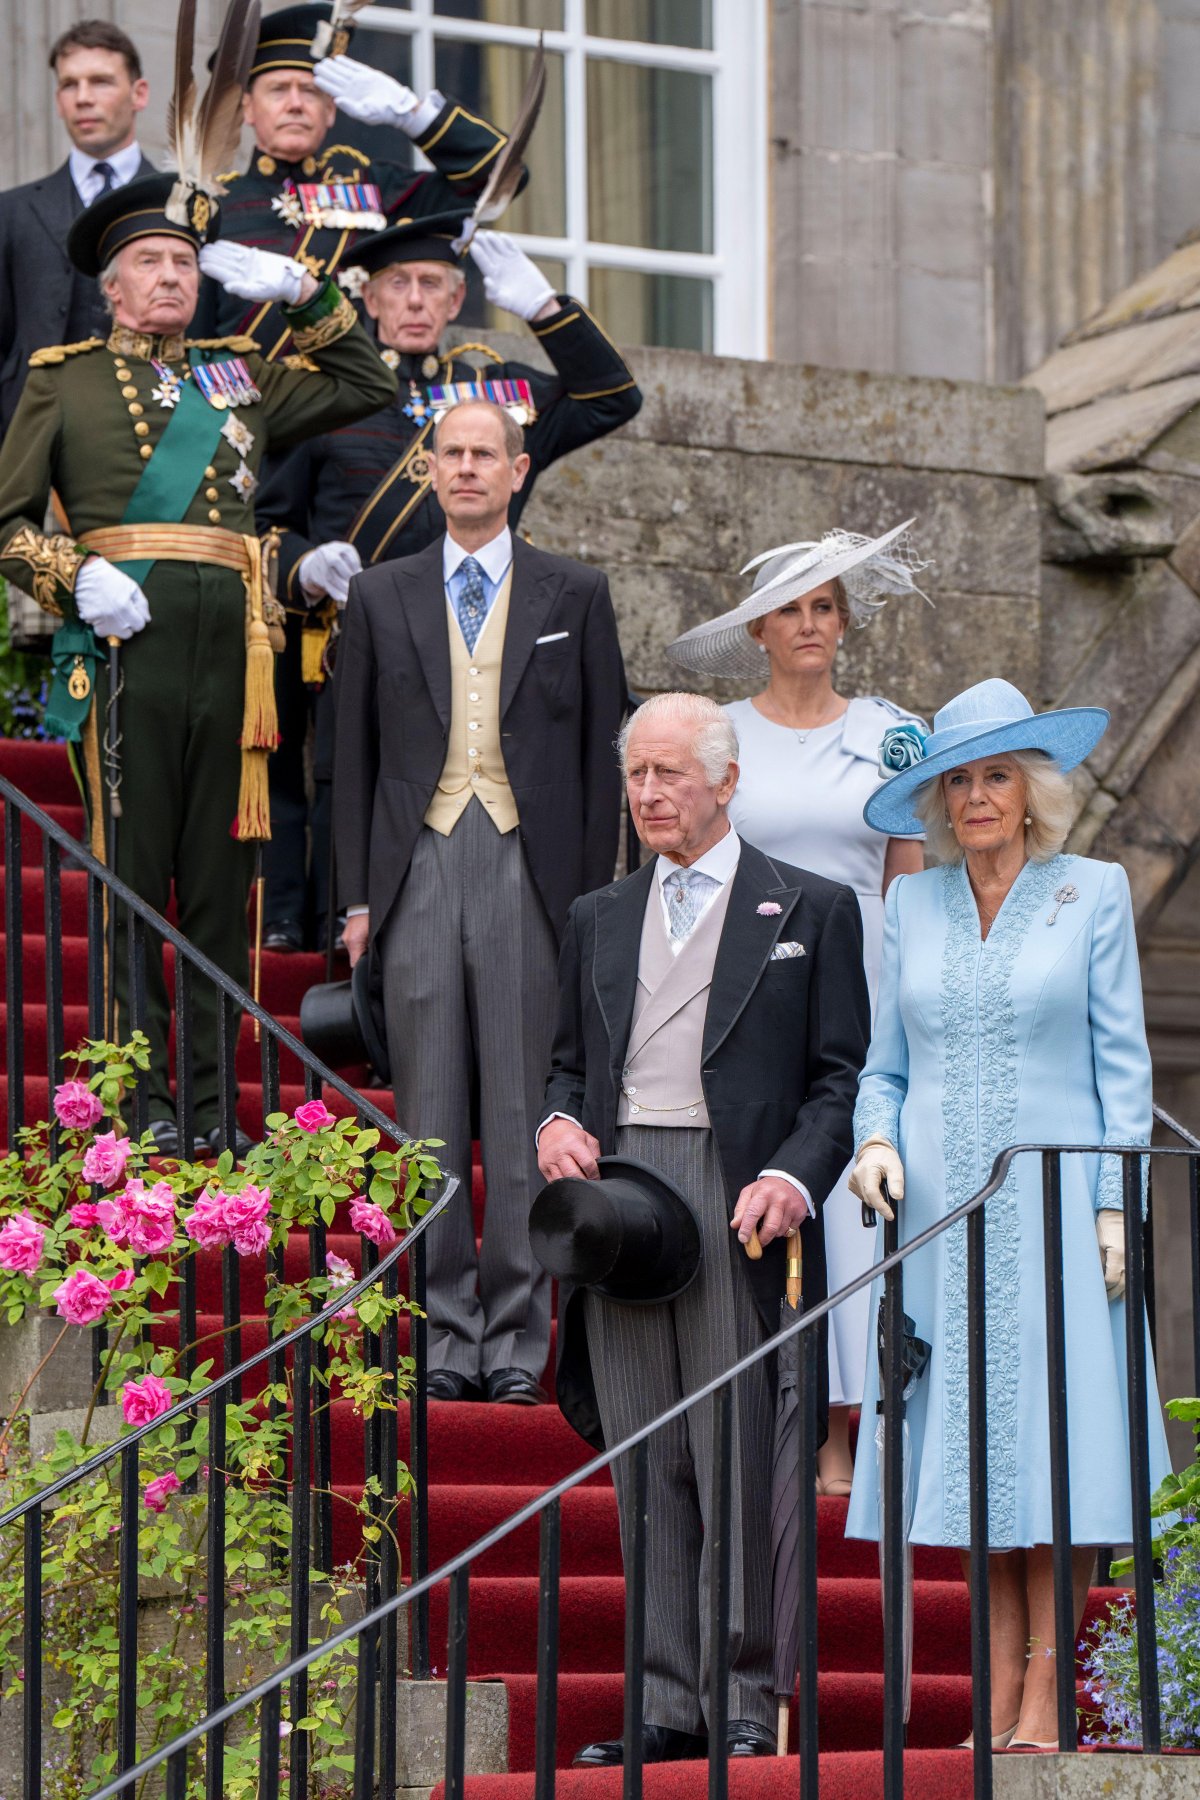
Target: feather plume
{"x": 325, "y": 38}
{"x": 206, "y": 137}
{"x": 505, "y": 178}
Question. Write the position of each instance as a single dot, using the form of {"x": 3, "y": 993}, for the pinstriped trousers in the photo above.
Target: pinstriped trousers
{"x": 470, "y": 993}
{"x": 644, "y": 1358}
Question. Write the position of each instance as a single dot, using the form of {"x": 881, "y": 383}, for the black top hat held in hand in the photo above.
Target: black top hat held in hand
{"x": 630, "y": 1236}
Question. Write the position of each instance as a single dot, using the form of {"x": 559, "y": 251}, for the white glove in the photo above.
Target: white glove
{"x": 366, "y": 94}
{"x": 108, "y": 601}
{"x": 878, "y": 1161}
{"x": 510, "y": 279}
{"x": 253, "y": 274}
{"x": 1110, "y": 1235}
{"x": 326, "y": 571}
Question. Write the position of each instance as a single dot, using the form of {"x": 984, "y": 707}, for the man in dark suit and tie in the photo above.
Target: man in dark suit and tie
{"x": 99, "y": 91}
{"x": 478, "y": 692}
{"x": 713, "y": 1021}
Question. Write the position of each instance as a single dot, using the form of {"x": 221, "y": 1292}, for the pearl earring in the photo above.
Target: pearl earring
{"x": 763, "y": 649}
{"x": 1029, "y": 818}
{"x": 841, "y": 641}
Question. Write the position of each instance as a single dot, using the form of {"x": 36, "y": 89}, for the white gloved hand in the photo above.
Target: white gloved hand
{"x": 1110, "y": 1235}
{"x": 253, "y": 274}
{"x": 326, "y": 571}
{"x": 510, "y": 279}
{"x": 878, "y": 1161}
{"x": 108, "y": 601}
{"x": 366, "y": 94}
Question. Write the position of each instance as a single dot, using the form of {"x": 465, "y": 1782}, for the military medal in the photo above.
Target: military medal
{"x": 418, "y": 407}
{"x": 287, "y": 205}
{"x": 238, "y": 435}
{"x": 79, "y": 682}
{"x": 226, "y": 383}
{"x": 516, "y": 397}
{"x": 243, "y": 482}
{"x": 169, "y": 386}
{"x": 343, "y": 205}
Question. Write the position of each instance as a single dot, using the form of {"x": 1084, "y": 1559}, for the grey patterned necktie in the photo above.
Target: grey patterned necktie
{"x": 472, "y": 603}
{"x": 686, "y": 890}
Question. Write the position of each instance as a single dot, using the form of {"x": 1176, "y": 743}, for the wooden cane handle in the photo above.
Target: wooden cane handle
{"x": 753, "y": 1247}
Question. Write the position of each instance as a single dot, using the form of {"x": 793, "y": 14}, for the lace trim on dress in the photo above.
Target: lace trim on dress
{"x": 876, "y": 1116}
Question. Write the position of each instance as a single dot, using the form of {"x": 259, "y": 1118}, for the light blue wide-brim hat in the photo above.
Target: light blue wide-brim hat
{"x": 992, "y": 718}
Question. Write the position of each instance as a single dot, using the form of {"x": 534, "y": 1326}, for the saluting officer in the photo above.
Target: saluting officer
{"x": 364, "y": 495}
{"x": 313, "y": 201}
{"x": 152, "y": 442}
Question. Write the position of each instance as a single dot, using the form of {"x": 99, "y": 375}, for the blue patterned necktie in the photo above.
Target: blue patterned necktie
{"x": 687, "y": 890}
{"x": 108, "y": 177}
{"x": 472, "y": 602}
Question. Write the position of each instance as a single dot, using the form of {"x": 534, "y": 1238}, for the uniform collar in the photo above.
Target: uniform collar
{"x": 275, "y": 168}
{"x": 416, "y": 366}
{"x": 146, "y": 348}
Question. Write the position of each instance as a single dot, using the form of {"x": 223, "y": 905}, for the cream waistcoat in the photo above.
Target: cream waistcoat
{"x": 661, "y": 1079}
{"x": 474, "y": 766}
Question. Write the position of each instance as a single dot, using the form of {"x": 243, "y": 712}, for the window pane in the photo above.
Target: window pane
{"x": 686, "y": 22}
{"x": 488, "y": 79}
{"x": 635, "y": 308}
{"x": 480, "y": 315}
{"x": 649, "y": 157}
{"x": 390, "y": 51}
{"x": 547, "y": 14}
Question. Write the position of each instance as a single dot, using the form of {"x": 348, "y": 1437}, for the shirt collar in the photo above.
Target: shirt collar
{"x": 718, "y": 863}
{"x": 123, "y": 163}
{"x": 493, "y": 558}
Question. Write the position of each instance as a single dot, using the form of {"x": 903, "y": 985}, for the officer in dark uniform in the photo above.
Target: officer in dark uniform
{"x": 153, "y": 441}
{"x": 363, "y": 495}
{"x": 312, "y": 200}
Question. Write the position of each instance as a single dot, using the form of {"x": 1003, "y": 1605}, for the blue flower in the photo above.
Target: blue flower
{"x": 901, "y": 747}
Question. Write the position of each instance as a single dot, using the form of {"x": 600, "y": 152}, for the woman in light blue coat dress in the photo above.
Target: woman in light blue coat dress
{"x": 1009, "y": 1011}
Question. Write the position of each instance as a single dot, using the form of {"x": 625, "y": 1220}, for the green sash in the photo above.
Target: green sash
{"x": 173, "y": 474}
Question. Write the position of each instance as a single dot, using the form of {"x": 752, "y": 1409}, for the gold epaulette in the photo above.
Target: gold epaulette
{"x": 56, "y": 353}
{"x": 301, "y": 362}
{"x": 241, "y": 342}
{"x": 483, "y": 349}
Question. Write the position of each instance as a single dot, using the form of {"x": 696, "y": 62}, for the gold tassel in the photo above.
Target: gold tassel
{"x": 260, "y": 723}
{"x": 313, "y": 642}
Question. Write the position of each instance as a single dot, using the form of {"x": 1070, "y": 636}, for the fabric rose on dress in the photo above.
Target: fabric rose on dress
{"x": 105, "y": 1158}
{"x": 151, "y": 1214}
{"x": 247, "y": 1219}
{"x": 21, "y": 1240}
{"x": 373, "y": 1222}
{"x": 314, "y": 1115}
{"x": 84, "y": 1216}
{"x": 144, "y": 1400}
{"x": 82, "y": 1298}
{"x": 206, "y": 1223}
{"x": 160, "y": 1489}
{"x": 76, "y": 1107}
{"x": 901, "y": 747}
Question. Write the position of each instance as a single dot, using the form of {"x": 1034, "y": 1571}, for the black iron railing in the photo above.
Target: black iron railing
{"x": 371, "y": 1774}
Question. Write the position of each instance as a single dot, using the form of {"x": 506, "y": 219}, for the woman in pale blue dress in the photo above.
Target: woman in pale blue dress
{"x": 1009, "y": 1011}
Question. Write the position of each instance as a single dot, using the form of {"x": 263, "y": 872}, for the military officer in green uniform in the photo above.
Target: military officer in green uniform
{"x": 314, "y": 201}
{"x": 363, "y": 494}
{"x": 152, "y": 442}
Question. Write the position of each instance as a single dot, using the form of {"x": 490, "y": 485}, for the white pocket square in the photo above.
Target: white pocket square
{"x": 782, "y": 952}
{"x": 551, "y": 637}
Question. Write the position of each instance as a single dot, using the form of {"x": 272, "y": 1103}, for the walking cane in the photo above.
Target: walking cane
{"x": 112, "y": 782}
{"x": 259, "y": 885}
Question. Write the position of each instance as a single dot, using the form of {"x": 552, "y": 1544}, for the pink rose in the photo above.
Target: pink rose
{"x": 206, "y": 1222}
{"x": 84, "y": 1216}
{"x": 160, "y": 1489}
{"x": 119, "y": 1282}
{"x": 144, "y": 1400}
{"x": 373, "y": 1222}
{"x": 314, "y": 1115}
{"x": 21, "y": 1240}
{"x": 76, "y": 1107}
{"x": 768, "y": 909}
{"x": 82, "y": 1298}
{"x": 152, "y": 1219}
{"x": 247, "y": 1220}
{"x": 105, "y": 1158}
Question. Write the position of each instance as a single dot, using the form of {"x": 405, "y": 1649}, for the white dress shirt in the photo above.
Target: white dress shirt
{"x": 495, "y": 559}
{"x": 123, "y": 163}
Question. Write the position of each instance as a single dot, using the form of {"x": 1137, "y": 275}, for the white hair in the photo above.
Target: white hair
{"x": 1049, "y": 801}
{"x": 714, "y": 740}
{"x": 108, "y": 273}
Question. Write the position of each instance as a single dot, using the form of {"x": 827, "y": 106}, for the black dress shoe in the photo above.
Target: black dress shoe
{"x": 516, "y": 1387}
{"x": 448, "y": 1384}
{"x": 241, "y": 1146}
{"x": 285, "y": 936}
{"x": 339, "y": 927}
{"x": 660, "y": 1743}
{"x": 746, "y": 1737}
{"x": 165, "y": 1133}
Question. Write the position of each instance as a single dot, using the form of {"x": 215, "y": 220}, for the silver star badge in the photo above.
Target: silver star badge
{"x": 167, "y": 394}
{"x": 352, "y": 281}
{"x": 238, "y": 435}
{"x": 287, "y": 205}
{"x": 243, "y": 483}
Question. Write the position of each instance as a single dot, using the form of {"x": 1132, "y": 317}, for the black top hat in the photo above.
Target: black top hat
{"x": 630, "y": 1236}
{"x": 285, "y": 38}
{"x": 136, "y": 210}
{"x": 431, "y": 239}
{"x": 343, "y": 1022}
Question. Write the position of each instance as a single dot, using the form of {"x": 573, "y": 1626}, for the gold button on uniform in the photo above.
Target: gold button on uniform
{"x": 136, "y": 408}
{"x": 129, "y": 393}
{"x": 214, "y": 517}
{"x": 210, "y": 474}
{"x": 122, "y": 372}
{"x": 142, "y": 429}
{"x": 146, "y": 450}
{"x": 212, "y": 493}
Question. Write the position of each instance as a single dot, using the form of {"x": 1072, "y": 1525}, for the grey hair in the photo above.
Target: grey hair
{"x": 1049, "y": 801}
{"x": 714, "y": 741}
{"x": 108, "y": 273}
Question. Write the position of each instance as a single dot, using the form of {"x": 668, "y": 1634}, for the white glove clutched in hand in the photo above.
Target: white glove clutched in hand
{"x": 878, "y": 1161}
{"x": 326, "y": 571}
{"x": 1110, "y": 1235}
{"x": 108, "y": 601}
{"x": 253, "y": 274}
{"x": 366, "y": 94}
{"x": 510, "y": 279}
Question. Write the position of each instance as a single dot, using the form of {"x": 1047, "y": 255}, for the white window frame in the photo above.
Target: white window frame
{"x": 737, "y": 64}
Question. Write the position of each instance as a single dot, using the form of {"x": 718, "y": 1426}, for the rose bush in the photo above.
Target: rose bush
{"x": 95, "y": 1229}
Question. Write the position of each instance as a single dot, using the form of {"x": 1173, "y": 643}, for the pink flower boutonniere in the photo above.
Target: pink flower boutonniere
{"x": 768, "y": 909}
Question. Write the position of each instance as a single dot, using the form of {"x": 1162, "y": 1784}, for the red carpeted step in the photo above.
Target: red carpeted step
{"x": 75, "y": 1029}
{"x": 852, "y": 1775}
{"x": 64, "y": 813}
{"x": 40, "y": 770}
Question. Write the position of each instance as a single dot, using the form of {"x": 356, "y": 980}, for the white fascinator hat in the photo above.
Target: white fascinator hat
{"x": 871, "y": 570}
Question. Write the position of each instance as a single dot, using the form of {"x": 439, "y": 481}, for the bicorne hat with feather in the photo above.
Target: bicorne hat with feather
{"x": 204, "y": 133}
